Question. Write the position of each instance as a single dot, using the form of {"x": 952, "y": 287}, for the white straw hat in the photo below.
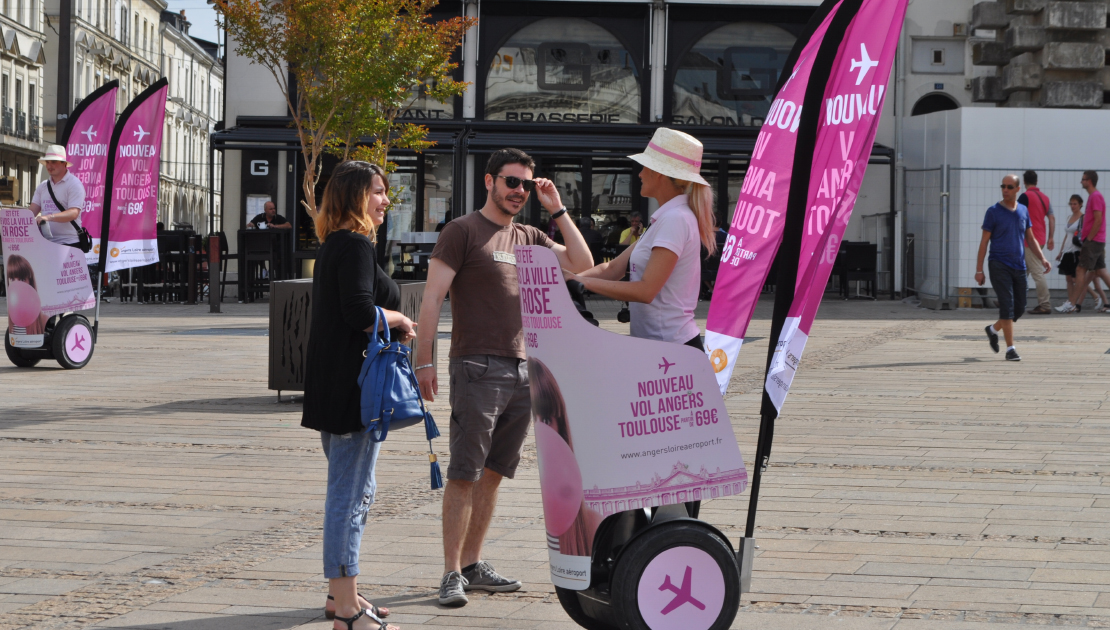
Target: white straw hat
{"x": 55, "y": 153}
{"x": 674, "y": 154}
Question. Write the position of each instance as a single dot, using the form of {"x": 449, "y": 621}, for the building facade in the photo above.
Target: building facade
{"x": 193, "y": 108}
{"x": 137, "y": 42}
{"x": 582, "y": 85}
{"x": 22, "y": 74}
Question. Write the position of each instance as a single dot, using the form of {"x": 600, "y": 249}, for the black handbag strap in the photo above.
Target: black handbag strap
{"x": 58, "y": 204}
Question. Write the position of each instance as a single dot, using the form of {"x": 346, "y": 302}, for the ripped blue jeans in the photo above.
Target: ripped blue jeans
{"x": 351, "y": 486}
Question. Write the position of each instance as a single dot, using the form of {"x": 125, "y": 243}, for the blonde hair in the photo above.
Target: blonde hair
{"x": 701, "y": 201}
{"x": 345, "y": 199}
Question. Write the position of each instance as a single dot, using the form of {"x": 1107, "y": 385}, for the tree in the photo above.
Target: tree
{"x": 348, "y": 70}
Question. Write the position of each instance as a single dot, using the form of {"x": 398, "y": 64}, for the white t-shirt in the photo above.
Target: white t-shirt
{"x": 670, "y": 316}
{"x": 1069, "y": 231}
{"x": 71, "y": 192}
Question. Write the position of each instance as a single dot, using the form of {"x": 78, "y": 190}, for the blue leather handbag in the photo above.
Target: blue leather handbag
{"x": 390, "y": 393}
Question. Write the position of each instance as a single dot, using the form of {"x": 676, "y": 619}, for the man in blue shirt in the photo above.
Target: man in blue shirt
{"x": 1007, "y": 228}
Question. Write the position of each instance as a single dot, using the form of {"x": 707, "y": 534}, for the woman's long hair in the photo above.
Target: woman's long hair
{"x": 549, "y": 408}
{"x": 700, "y": 198}
{"x": 18, "y": 268}
{"x": 345, "y": 199}
{"x": 547, "y": 399}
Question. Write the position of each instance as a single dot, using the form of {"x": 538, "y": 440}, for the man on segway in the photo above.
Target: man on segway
{"x": 59, "y": 199}
{"x": 63, "y": 282}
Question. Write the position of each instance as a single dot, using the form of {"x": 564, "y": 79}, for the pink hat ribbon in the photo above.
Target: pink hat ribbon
{"x": 672, "y": 154}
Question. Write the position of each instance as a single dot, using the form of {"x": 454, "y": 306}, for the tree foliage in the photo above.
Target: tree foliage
{"x": 348, "y": 70}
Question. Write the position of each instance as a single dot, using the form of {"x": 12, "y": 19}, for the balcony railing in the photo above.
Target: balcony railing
{"x": 7, "y": 123}
{"x": 21, "y": 125}
{"x": 33, "y": 133}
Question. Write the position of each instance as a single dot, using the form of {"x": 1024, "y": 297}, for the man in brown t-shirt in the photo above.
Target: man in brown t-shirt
{"x": 490, "y": 402}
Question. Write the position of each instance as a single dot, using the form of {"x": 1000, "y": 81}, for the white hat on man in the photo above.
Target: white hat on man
{"x": 55, "y": 153}
{"x": 674, "y": 154}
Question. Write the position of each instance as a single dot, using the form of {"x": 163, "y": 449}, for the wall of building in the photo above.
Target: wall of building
{"x": 252, "y": 91}
{"x": 980, "y": 146}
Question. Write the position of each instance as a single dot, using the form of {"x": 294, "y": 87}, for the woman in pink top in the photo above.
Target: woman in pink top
{"x": 664, "y": 264}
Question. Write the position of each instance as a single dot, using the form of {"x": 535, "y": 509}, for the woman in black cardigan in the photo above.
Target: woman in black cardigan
{"x": 346, "y": 286}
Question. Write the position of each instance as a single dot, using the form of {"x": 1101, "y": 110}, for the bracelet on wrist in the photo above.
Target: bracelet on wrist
{"x": 421, "y": 367}
{"x": 558, "y": 213}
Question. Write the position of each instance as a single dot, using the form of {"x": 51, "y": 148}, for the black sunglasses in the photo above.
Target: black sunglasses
{"x": 1008, "y": 187}
{"x": 513, "y": 182}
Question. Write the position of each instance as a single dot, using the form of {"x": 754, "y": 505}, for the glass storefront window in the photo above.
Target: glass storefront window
{"x": 729, "y": 77}
{"x": 421, "y": 107}
{"x": 437, "y": 189}
{"x": 615, "y": 194}
{"x": 736, "y": 172}
{"x": 402, "y": 214}
{"x": 563, "y": 70}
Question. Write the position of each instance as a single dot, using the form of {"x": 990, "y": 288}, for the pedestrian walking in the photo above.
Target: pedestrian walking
{"x": 490, "y": 402}
{"x": 1092, "y": 253}
{"x": 1068, "y": 259}
{"x": 665, "y": 263}
{"x": 1006, "y": 226}
{"x": 347, "y": 285}
{"x": 1040, "y": 210}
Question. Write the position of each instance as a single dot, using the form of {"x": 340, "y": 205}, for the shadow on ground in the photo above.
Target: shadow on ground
{"x": 280, "y": 620}
{"x": 251, "y": 405}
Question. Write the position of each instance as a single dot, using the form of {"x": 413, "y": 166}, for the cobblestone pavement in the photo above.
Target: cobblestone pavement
{"x": 918, "y": 481}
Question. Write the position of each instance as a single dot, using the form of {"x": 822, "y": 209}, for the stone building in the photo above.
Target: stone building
{"x": 137, "y": 43}
{"x": 1044, "y": 54}
{"x": 193, "y": 108}
{"x": 106, "y": 41}
{"x": 22, "y": 60}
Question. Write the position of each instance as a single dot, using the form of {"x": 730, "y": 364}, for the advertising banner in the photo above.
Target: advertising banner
{"x": 86, "y": 141}
{"x": 42, "y": 278}
{"x": 849, "y": 119}
{"x": 757, "y": 225}
{"x": 621, "y": 423}
{"x": 133, "y": 165}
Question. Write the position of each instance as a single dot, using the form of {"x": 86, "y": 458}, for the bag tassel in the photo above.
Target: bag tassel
{"x": 437, "y": 476}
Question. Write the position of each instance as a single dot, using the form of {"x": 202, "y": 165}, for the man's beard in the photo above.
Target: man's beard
{"x": 499, "y": 200}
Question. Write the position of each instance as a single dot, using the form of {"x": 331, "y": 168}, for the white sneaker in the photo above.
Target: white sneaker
{"x": 1066, "y": 307}
{"x": 1098, "y": 303}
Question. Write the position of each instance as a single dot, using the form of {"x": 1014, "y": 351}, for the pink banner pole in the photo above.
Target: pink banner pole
{"x": 86, "y": 139}
{"x": 850, "y": 113}
{"x": 129, "y": 236}
{"x": 757, "y": 225}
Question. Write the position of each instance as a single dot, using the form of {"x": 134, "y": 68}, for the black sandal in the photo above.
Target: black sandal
{"x": 350, "y": 621}
{"x": 374, "y": 610}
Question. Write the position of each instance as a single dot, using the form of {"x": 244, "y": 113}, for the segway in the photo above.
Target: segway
{"x": 644, "y": 568}
{"x": 46, "y": 283}
{"x": 631, "y": 436}
{"x": 68, "y": 339}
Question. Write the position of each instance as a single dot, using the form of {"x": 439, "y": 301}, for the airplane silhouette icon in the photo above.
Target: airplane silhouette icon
{"x": 142, "y": 134}
{"x": 89, "y": 133}
{"x": 682, "y": 595}
{"x": 864, "y": 65}
{"x": 665, "y": 365}
{"x": 78, "y": 342}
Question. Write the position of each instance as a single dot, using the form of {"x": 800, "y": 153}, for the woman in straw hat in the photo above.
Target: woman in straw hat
{"x": 664, "y": 265}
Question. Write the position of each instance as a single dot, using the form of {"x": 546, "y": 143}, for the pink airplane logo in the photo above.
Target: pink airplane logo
{"x": 78, "y": 343}
{"x": 682, "y": 595}
{"x": 665, "y": 365}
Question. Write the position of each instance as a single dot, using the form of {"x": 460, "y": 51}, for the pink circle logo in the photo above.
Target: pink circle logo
{"x": 79, "y": 343}
{"x": 681, "y": 587}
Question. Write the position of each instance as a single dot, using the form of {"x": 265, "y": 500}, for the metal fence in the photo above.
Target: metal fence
{"x": 944, "y": 217}
{"x": 921, "y": 267}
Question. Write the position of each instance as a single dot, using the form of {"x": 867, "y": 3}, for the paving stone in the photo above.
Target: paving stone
{"x": 910, "y": 487}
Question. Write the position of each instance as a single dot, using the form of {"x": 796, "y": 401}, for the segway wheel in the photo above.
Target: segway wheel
{"x": 73, "y": 342}
{"x": 573, "y": 608}
{"x": 677, "y": 575}
{"x": 14, "y": 355}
